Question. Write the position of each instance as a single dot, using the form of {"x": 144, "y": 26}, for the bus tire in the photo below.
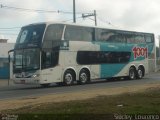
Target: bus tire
{"x": 132, "y": 73}
{"x": 68, "y": 77}
{"x": 140, "y": 73}
{"x": 84, "y": 77}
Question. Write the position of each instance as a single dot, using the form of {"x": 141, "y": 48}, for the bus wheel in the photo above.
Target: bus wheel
{"x": 132, "y": 73}
{"x": 140, "y": 73}
{"x": 69, "y": 77}
{"x": 83, "y": 77}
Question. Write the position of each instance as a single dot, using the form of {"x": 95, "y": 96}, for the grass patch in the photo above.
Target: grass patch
{"x": 147, "y": 102}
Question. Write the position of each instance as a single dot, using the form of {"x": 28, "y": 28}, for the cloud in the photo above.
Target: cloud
{"x": 139, "y": 15}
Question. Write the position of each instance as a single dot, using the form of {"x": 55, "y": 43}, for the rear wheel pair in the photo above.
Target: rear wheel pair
{"x": 84, "y": 77}
{"x": 69, "y": 77}
{"x": 133, "y": 74}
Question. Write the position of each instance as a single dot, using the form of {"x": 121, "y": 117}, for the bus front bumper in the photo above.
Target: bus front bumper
{"x": 29, "y": 81}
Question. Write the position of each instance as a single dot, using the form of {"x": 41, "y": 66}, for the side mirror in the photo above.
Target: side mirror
{"x": 9, "y": 58}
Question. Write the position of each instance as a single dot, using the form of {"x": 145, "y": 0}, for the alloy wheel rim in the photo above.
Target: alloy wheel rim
{"x": 83, "y": 77}
{"x": 140, "y": 73}
{"x": 132, "y": 74}
{"x": 68, "y": 78}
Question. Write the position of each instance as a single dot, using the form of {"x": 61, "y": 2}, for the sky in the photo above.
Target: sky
{"x": 134, "y": 15}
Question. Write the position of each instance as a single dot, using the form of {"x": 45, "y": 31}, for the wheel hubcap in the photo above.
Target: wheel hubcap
{"x": 68, "y": 78}
{"x": 83, "y": 77}
{"x": 132, "y": 74}
{"x": 140, "y": 74}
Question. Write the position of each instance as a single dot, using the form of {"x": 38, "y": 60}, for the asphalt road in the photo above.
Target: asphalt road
{"x": 24, "y": 91}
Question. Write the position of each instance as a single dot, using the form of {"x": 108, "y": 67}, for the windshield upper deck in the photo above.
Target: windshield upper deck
{"x": 30, "y": 36}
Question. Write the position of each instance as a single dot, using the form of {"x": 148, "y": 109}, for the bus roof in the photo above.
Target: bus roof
{"x": 82, "y": 25}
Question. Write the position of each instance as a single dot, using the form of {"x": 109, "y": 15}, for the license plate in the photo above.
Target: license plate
{"x": 22, "y": 81}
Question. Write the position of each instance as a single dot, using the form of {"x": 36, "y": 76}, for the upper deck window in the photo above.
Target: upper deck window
{"x": 53, "y": 35}
{"x": 110, "y": 36}
{"x": 149, "y": 38}
{"x": 54, "y": 32}
{"x": 78, "y": 33}
{"x": 135, "y": 38}
{"x": 31, "y": 34}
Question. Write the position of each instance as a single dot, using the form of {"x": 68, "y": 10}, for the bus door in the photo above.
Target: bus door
{"x": 49, "y": 61}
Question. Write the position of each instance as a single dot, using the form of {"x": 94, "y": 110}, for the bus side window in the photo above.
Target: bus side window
{"x": 135, "y": 38}
{"x": 49, "y": 59}
{"x": 103, "y": 35}
{"x": 78, "y": 33}
{"x": 54, "y": 32}
{"x": 46, "y": 59}
{"x": 109, "y": 36}
{"x": 139, "y": 39}
{"x": 149, "y": 39}
{"x": 55, "y": 58}
{"x": 117, "y": 38}
{"x": 106, "y": 36}
{"x": 130, "y": 38}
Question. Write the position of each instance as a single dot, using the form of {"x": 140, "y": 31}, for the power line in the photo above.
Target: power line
{"x": 5, "y": 28}
{"x": 36, "y": 10}
{"x": 25, "y": 9}
{"x": 71, "y": 19}
{"x": 9, "y": 30}
{"x": 105, "y": 21}
{"x": 8, "y": 34}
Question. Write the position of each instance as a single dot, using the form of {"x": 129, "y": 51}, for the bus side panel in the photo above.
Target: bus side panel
{"x": 125, "y": 70}
{"x": 95, "y": 69}
{"x": 51, "y": 75}
{"x": 110, "y": 69}
{"x": 71, "y": 58}
{"x": 121, "y": 69}
{"x": 151, "y": 57}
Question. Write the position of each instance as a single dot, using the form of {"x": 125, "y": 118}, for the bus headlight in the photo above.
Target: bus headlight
{"x": 35, "y": 75}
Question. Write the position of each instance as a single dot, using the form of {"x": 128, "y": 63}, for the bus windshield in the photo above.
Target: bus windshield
{"x": 31, "y": 34}
{"x": 27, "y": 59}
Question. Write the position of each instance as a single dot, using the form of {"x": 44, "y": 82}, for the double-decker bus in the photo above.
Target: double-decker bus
{"x": 48, "y": 53}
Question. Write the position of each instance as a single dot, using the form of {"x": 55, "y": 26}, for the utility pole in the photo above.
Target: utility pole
{"x": 95, "y": 17}
{"x": 91, "y": 14}
{"x": 74, "y": 11}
